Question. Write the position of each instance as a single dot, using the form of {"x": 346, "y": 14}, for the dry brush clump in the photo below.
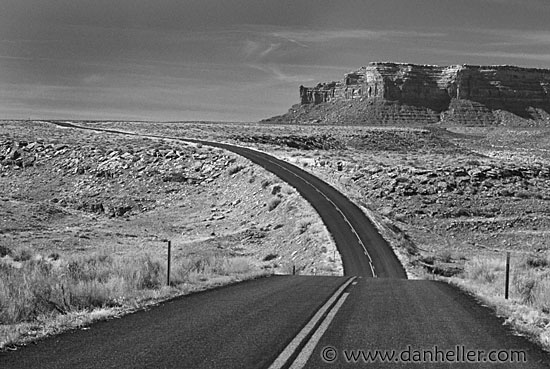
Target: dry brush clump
{"x": 40, "y": 287}
{"x": 528, "y": 306}
{"x": 529, "y": 278}
{"x": 193, "y": 269}
{"x": 273, "y": 203}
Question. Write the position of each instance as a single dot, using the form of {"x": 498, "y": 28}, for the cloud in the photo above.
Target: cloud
{"x": 515, "y": 37}
{"x": 272, "y": 47}
{"x": 93, "y": 78}
{"x": 274, "y": 71}
{"x": 251, "y": 48}
{"x": 312, "y": 36}
{"x": 494, "y": 55}
{"x": 523, "y": 3}
{"x": 530, "y": 37}
{"x": 512, "y": 55}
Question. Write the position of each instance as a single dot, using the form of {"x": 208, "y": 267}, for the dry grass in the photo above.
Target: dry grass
{"x": 235, "y": 169}
{"x": 273, "y": 203}
{"x": 40, "y": 286}
{"x": 41, "y": 291}
{"x": 528, "y": 306}
{"x": 302, "y": 225}
{"x": 221, "y": 231}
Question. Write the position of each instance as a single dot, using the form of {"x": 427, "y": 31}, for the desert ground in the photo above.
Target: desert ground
{"x": 85, "y": 215}
{"x": 450, "y": 200}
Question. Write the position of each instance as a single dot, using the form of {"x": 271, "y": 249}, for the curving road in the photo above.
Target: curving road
{"x": 283, "y": 322}
{"x": 364, "y": 252}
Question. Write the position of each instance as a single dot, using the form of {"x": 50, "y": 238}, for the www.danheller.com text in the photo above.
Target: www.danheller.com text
{"x": 435, "y": 354}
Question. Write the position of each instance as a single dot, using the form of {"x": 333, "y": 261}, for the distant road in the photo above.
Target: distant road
{"x": 364, "y": 252}
{"x": 283, "y": 322}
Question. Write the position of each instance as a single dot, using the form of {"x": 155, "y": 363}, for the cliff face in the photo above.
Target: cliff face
{"x": 464, "y": 94}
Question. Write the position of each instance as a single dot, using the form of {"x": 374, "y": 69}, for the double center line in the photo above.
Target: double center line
{"x": 299, "y": 350}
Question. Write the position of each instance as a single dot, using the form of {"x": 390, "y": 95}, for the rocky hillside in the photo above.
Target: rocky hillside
{"x": 110, "y": 180}
{"x": 390, "y": 93}
{"x": 66, "y": 191}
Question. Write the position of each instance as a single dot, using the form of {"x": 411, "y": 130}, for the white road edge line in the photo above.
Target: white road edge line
{"x": 304, "y": 356}
{"x": 272, "y": 162}
{"x": 337, "y": 209}
{"x": 295, "y": 343}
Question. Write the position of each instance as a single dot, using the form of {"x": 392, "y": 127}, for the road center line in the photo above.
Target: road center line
{"x": 208, "y": 143}
{"x": 334, "y": 205}
{"x": 295, "y": 344}
{"x": 304, "y": 356}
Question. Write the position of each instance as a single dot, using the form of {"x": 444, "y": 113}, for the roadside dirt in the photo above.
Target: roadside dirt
{"x": 67, "y": 192}
{"x": 450, "y": 200}
{"x": 455, "y": 191}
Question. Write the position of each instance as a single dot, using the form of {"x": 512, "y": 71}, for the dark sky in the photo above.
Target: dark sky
{"x": 236, "y": 59}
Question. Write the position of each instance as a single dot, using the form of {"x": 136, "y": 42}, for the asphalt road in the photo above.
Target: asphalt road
{"x": 241, "y": 326}
{"x": 248, "y": 325}
{"x": 393, "y": 314}
{"x": 364, "y": 252}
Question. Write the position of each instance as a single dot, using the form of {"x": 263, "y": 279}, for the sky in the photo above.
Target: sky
{"x": 236, "y": 60}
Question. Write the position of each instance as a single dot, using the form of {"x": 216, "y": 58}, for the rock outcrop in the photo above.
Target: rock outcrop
{"x": 399, "y": 93}
{"x": 112, "y": 181}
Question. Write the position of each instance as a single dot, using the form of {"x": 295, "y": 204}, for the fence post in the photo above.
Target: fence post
{"x": 168, "y": 263}
{"x": 294, "y": 270}
{"x": 507, "y": 275}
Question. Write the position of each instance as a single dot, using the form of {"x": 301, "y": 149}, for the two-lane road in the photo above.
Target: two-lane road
{"x": 420, "y": 324}
{"x": 241, "y": 326}
{"x": 256, "y": 323}
{"x": 364, "y": 252}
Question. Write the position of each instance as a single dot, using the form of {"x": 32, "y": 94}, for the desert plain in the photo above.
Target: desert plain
{"x": 451, "y": 201}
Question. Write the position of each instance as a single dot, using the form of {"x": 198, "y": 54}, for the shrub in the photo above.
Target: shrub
{"x": 429, "y": 259}
{"x": 235, "y": 169}
{"x": 534, "y": 261}
{"x": 460, "y": 212}
{"x": 542, "y": 292}
{"x": 4, "y": 250}
{"x": 269, "y": 257}
{"x": 523, "y": 194}
{"x": 54, "y": 256}
{"x": 238, "y": 265}
{"x": 97, "y": 280}
{"x": 484, "y": 270}
{"x": 302, "y": 225}
{"x": 276, "y": 189}
{"x": 152, "y": 273}
{"x": 526, "y": 285}
{"x": 196, "y": 269}
{"x": 446, "y": 256}
{"x": 21, "y": 253}
{"x": 43, "y": 287}
{"x": 273, "y": 203}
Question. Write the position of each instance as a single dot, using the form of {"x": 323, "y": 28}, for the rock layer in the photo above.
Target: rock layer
{"x": 396, "y": 93}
